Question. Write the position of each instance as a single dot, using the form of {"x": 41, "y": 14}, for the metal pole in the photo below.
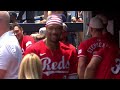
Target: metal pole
{"x": 86, "y": 18}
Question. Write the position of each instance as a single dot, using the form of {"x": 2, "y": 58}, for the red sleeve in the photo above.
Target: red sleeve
{"x": 100, "y": 53}
{"x": 82, "y": 51}
{"x": 73, "y": 65}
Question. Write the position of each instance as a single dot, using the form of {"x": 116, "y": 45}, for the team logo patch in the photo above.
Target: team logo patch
{"x": 28, "y": 43}
{"x": 80, "y": 51}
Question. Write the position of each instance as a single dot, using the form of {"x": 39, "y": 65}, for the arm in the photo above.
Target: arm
{"x": 5, "y": 60}
{"x": 45, "y": 14}
{"x": 82, "y": 54}
{"x": 92, "y": 67}
{"x": 81, "y": 67}
{"x": 94, "y": 63}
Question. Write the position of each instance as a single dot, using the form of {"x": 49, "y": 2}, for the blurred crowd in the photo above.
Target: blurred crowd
{"x": 31, "y": 17}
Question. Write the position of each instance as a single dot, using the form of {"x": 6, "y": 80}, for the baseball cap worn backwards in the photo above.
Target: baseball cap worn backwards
{"x": 103, "y": 18}
{"x": 96, "y": 23}
{"x": 54, "y": 19}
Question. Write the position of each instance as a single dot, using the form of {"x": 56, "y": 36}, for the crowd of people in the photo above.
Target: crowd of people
{"x": 31, "y": 17}
{"x": 49, "y": 55}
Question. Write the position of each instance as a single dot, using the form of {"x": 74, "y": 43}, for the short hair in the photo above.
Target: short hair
{"x": 13, "y": 14}
{"x": 96, "y": 23}
{"x": 103, "y": 18}
{"x": 16, "y": 24}
{"x": 30, "y": 67}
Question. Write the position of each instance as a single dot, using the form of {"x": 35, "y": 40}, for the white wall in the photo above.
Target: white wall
{"x": 110, "y": 26}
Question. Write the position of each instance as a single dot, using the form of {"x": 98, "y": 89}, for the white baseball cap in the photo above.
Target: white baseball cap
{"x": 103, "y": 18}
{"x": 42, "y": 30}
{"x": 96, "y": 23}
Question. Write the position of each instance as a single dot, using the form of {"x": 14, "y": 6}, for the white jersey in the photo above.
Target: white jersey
{"x": 10, "y": 55}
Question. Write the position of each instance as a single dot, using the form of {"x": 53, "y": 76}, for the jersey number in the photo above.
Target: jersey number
{"x": 116, "y": 69}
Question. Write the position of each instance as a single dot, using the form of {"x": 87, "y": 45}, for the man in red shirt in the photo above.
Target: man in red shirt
{"x": 104, "y": 64}
{"x": 87, "y": 48}
{"x": 25, "y": 41}
{"x": 58, "y": 60}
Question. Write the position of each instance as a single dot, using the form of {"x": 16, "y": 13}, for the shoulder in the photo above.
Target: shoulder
{"x": 10, "y": 44}
{"x": 35, "y": 48}
{"x": 88, "y": 40}
{"x": 63, "y": 46}
{"x": 72, "y": 47}
{"x": 10, "y": 41}
{"x": 37, "y": 45}
{"x": 27, "y": 37}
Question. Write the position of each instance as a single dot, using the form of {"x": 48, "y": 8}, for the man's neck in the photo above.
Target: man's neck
{"x": 51, "y": 45}
{"x": 97, "y": 35}
{"x": 20, "y": 40}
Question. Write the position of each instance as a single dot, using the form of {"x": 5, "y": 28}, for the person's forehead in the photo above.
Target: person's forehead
{"x": 16, "y": 28}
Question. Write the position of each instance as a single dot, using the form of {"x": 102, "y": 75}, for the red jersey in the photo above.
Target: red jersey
{"x": 26, "y": 42}
{"x": 108, "y": 68}
{"x": 90, "y": 46}
{"x": 57, "y": 64}
{"x": 115, "y": 69}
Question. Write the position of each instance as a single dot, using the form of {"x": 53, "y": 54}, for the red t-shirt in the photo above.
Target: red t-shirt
{"x": 26, "y": 42}
{"x": 90, "y": 46}
{"x": 57, "y": 64}
{"x": 107, "y": 68}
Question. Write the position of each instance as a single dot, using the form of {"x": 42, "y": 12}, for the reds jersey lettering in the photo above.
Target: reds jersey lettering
{"x": 116, "y": 69}
{"x": 55, "y": 67}
{"x": 94, "y": 46}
